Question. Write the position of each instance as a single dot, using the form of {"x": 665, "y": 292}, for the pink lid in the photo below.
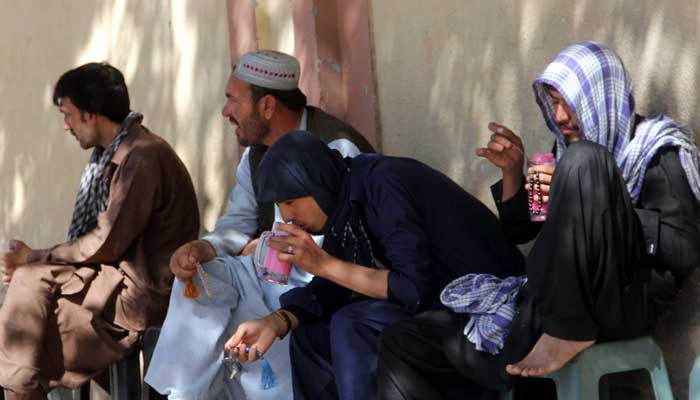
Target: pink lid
{"x": 542, "y": 158}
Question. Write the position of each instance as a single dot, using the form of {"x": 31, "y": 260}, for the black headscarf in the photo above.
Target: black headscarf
{"x": 299, "y": 165}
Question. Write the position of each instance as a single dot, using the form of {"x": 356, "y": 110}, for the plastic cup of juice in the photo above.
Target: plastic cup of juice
{"x": 538, "y": 208}
{"x": 267, "y": 265}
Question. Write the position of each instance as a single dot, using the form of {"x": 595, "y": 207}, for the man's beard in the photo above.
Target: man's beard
{"x": 569, "y": 139}
{"x": 254, "y": 130}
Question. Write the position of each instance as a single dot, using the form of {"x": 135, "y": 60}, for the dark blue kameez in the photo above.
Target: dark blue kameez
{"x": 427, "y": 231}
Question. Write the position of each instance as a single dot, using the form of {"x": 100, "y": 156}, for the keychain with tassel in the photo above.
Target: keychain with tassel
{"x": 232, "y": 366}
{"x": 268, "y": 379}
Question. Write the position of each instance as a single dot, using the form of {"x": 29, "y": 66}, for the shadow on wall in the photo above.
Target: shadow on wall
{"x": 274, "y": 25}
{"x": 445, "y": 70}
{"x": 175, "y": 57}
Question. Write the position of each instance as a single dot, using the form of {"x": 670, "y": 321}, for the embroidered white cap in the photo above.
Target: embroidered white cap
{"x": 269, "y": 69}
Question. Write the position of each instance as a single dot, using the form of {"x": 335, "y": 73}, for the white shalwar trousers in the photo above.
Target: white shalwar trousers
{"x": 187, "y": 362}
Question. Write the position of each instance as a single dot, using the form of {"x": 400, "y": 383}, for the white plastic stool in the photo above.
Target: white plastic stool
{"x": 578, "y": 379}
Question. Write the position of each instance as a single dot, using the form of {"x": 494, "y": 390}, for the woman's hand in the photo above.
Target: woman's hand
{"x": 256, "y": 337}
{"x": 300, "y": 249}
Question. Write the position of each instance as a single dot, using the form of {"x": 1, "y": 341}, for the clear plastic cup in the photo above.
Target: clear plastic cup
{"x": 267, "y": 265}
{"x": 538, "y": 207}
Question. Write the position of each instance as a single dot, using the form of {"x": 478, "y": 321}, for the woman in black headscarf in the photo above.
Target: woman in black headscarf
{"x": 396, "y": 232}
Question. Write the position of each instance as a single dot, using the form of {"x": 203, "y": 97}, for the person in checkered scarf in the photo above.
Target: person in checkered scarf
{"x": 621, "y": 235}
{"x": 76, "y": 307}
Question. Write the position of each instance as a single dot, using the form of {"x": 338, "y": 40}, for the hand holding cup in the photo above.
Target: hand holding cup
{"x": 538, "y": 183}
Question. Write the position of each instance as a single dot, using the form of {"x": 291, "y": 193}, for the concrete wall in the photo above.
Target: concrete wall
{"x": 175, "y": 58}
{"x": 444, "y": 69}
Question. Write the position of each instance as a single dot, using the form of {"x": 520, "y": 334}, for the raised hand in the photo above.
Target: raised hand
{"x": 505, "y": 150}
{"x": 252, "y": 339}
{"x": 299, "y": 249}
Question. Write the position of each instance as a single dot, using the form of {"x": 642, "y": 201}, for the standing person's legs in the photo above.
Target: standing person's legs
{"x": 584, "y": 270}
{"x": 339, "y": 360}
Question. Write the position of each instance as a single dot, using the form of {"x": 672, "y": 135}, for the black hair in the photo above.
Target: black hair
{"x": 294, "y": 99}
{"x": 96, "y": 88}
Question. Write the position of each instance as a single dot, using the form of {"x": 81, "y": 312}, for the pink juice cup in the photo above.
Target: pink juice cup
{"x": 267, "y": 265}
{"x": 538, "y": 209}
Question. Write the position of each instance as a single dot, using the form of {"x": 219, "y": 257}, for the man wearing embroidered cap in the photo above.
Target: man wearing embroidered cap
{"x": 269, "y": 69}
{"x": 621, "y": 231}
{"x": 77, "y": 307}
{"x": 264, "y": 103}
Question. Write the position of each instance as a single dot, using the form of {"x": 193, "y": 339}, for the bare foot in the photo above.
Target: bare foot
{"x": 548, "y": 355}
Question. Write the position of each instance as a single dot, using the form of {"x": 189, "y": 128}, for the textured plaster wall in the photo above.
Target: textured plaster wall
{"x": 444, "y": 69}
{"x": 175, "y": 57}
{"x": 275, "y": 25}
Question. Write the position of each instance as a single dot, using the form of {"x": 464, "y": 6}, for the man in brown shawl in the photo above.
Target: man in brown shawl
{"x": 75, "y": 308}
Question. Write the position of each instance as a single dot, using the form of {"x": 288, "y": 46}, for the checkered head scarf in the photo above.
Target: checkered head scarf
{"x": 594, "y": 83}
{"x": 93, "y": 195}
